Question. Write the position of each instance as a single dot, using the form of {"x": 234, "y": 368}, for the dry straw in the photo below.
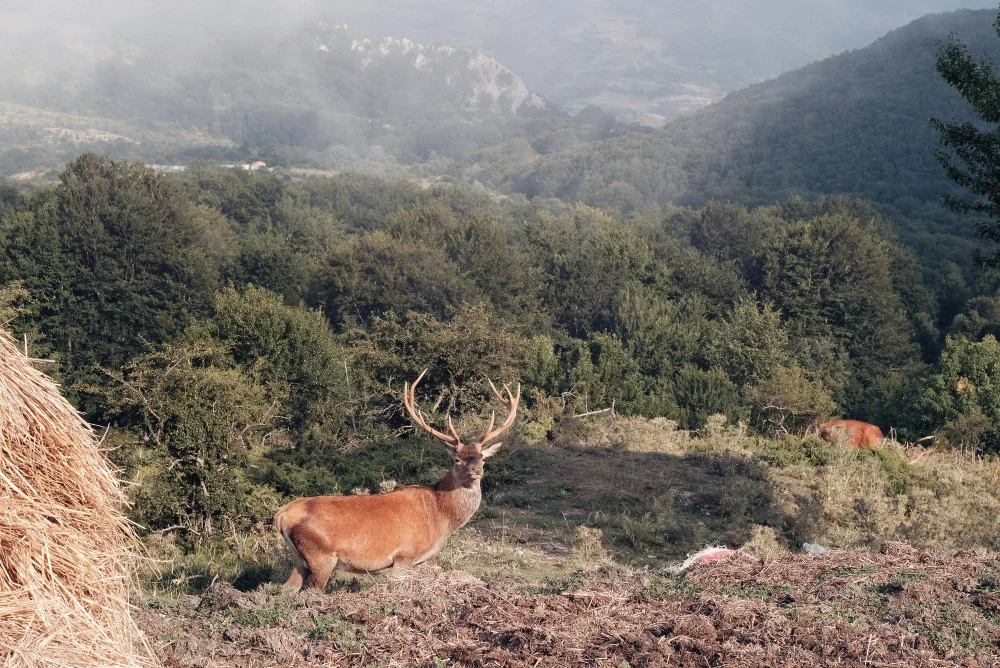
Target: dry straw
{"x": 66, "y": 550}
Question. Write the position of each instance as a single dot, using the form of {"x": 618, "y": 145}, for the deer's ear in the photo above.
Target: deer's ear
{"x": 491, "y": 450}
{"x": 452, "y": 449}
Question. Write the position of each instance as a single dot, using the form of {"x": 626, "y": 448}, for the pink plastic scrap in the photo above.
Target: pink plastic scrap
{"x": 707, "y": 556}
{"x": 716, "y": 556}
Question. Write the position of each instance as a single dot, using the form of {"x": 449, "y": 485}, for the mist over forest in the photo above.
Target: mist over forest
{"x": 425, "y": 94}
{"x": 649, "y": 61}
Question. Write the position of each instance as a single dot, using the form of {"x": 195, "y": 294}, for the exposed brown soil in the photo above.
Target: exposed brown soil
{"x": 897, "y": 607}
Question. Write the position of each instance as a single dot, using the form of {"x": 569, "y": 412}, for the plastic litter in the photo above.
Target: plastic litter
{"x": 813, "y": 548}
{"x": 706, "y": 556}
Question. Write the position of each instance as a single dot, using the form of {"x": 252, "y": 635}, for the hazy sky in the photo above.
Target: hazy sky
{"x": 814, "y": 16}
{"x": 554, "y": 45}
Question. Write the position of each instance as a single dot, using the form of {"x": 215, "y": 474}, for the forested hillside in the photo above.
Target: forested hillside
{"x": 854, "y": 124}
{"x": 323, "y": 96}
{"x": 245, "y": 335}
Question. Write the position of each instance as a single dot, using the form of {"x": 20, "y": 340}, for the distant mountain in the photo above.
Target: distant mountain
{"x": 854, "y": 124}
{"x": 472, "y": 81}
{"x": 319, "y": 95}
{"x": 648, "y": 60}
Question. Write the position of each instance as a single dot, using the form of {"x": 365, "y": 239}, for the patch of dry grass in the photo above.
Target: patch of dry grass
{"x": 765, "y": 545}
{"x": 588, "y": 550}
{"x": 656, "y": 489}
{"x": 490, "y": 554}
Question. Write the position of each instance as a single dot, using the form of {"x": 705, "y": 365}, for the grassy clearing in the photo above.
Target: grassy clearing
{"x": 658, "y": 493}
{"x": 649, "y": 494}
{"x": 569, "y": 562}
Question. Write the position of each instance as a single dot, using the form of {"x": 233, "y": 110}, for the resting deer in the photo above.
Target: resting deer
{"x": 402, "y": 528}
{"x": 859, "y": 434}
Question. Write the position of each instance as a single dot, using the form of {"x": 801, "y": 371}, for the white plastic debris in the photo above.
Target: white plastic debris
{"x": 813, "y": 548}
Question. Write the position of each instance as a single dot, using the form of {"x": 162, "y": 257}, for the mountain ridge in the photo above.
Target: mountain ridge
{"x": 853, "y": 124}
{"x": 646, "y": 60}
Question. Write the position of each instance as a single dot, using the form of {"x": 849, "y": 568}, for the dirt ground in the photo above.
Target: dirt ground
{"x": 895, "y": 607}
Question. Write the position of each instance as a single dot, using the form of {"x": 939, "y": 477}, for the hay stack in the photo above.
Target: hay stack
{"x": 65, "y": 548}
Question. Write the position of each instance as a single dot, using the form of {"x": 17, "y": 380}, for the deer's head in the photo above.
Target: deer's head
{"x": 468, "y": 459}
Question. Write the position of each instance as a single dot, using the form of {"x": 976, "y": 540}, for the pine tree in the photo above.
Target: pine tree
{"x": 973, "y": 160}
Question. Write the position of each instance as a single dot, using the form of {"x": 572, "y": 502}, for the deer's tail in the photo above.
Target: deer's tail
{"x": 282, "y": 529}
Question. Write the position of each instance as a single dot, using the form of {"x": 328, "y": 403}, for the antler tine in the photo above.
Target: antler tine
{"x": 512, "y": 405}
{"x": 451, "y": 428}
{"x": 409, "y": 402}
{"x": 497, "y": 393}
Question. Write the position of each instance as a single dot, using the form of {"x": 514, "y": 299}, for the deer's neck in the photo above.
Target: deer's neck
{"x": 457, "y": 503}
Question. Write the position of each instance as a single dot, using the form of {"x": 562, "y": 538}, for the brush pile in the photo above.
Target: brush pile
{"x": 66, "y": 558}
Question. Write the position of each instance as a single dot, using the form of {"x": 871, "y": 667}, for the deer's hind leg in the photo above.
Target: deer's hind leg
{"x": 320, "y": 569}
{"x": 300, "y": 570}
{"x": 297, "y": 578}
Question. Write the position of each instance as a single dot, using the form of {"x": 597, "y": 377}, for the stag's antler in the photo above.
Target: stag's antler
{"x": 409, "y": 401}
{"x": 511, "y": 402}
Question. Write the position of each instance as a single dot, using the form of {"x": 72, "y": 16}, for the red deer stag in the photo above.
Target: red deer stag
{"x": 404, "y": 527}
{"x": 859, "y": 434}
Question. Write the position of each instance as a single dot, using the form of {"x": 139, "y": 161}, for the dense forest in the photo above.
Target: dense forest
{"x": 242, "y": 333}
{"x": 321, "y": 96}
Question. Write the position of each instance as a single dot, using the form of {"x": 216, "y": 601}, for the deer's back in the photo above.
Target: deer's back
{"x": 860, "y": 434}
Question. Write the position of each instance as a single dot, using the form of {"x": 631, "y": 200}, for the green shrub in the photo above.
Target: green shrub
{"x": 191, "y": 428}
{"x": 294, "y": 354}
{"x": 962, "y": 396}
{"x": 750, "y": 344}
{"x": 788, "y": 402}
{"x": 704, "y": 393}
{"x": 602, "y": 373}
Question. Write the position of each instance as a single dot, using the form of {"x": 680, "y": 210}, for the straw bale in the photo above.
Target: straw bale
{"x": 66, "y": 549}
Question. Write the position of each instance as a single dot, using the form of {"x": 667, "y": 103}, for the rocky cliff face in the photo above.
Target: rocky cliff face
{"x": 483, "y": 83}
